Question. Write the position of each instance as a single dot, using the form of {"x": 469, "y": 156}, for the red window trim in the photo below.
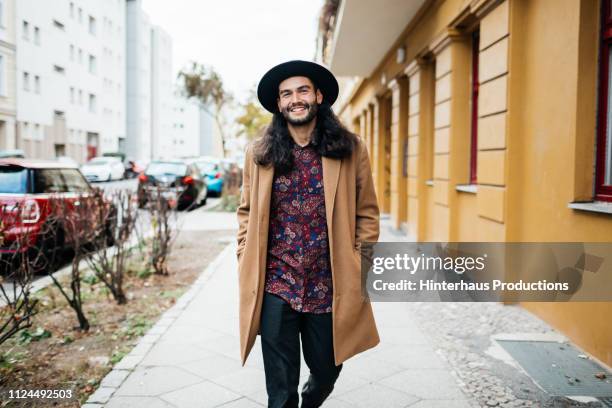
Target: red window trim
{"x": 475, "y": 85}
{"x": 603, "y": 192}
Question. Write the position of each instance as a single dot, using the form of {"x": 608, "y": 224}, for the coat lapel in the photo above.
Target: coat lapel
{"x": 264, "y": 195}
{"x": 331, "y": 172}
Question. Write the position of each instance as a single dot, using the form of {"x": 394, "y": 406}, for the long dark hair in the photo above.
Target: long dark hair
{"x": 330, "y": 138}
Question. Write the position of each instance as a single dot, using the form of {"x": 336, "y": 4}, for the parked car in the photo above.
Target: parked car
{"x": 178, "y": 180}
{"x": 212, "y": 170}
{"x": 127, "y": 163}
{"x": 103, "y": 169}
{"x": 68, "y": 160}
{"x": 27, "y": 209}
{"x": 18, "y": 153}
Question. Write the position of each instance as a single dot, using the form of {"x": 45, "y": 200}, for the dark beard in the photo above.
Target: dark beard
{"x": 312, "y": 112}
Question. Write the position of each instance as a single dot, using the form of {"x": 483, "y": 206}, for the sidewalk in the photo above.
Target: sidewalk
{"x": 191, "y": 358}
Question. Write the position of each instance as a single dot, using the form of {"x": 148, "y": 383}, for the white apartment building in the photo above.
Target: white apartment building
{"x": 186, "y": 129}
{"x": 8, "y": 103}
{"x": 113, "y": 69}
{"x": 149, "y": 85}
{"x": 210, "y": 134}
{"x": 194, "y": 131}
{"x": 161, "y": 90}
{"x": 71, "y": 80}
{"x": 139, "y": 90}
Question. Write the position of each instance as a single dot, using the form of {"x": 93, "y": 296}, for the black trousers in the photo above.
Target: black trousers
{"x": 280, "y": 329}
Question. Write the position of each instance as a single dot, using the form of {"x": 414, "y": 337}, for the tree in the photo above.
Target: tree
{"x": 206, "y": 85}
{"x": 254, "y": 119}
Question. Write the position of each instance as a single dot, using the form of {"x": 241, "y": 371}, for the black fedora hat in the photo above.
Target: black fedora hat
{"x": 324, "y": 80}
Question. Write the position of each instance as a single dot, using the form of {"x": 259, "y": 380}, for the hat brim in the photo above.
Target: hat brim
{"x": 324, "y": 80}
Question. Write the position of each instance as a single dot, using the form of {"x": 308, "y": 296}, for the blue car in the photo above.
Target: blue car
{"x": 213, "y": 171}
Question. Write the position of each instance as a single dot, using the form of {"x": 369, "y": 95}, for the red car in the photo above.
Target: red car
{"x": 33, "y": 190}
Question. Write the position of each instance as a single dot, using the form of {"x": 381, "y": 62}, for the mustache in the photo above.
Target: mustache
{"x": 297, "y": 105}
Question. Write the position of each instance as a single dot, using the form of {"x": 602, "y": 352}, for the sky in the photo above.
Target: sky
{"x": 241, "y": 39}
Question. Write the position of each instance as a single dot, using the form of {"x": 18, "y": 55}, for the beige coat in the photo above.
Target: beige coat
{"x": 352, "y": 217}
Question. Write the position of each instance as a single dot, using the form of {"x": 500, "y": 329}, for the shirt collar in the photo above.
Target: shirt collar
{"x": 310, "y": 144}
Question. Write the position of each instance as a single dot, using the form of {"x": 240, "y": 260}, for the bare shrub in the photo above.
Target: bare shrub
{"x": 16, "y": 304}
{"x": 116, "y": 222}
{"x": 163, "y": 215}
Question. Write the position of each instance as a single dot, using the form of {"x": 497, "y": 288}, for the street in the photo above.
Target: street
{"x": 143, "y": 226}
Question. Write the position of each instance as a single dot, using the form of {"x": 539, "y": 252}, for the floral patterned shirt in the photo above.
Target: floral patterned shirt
{"x": 298, "y": 266}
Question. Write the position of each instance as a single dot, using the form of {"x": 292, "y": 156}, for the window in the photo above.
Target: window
{"x": 92, "y": 25}
{"x": 603, "y": 166}
{"x": 474, "y": 119}
{"x": 71, "y": 10}
{"x": 92, "y": 64}
{"x": 2, "y": 22}
{"x": 26, "y": 81}
{"x": 60, "y": 149}
{"x": 75, "y": 182}
{"x": 71, "y": 52}
{"x": 37, "y": 84}
{"x": 92, "y": 103}
{"x": 13, "y": 179}
{"x": 157, "y": 168}
{"x": 2, "y": 77}
{"x": 37, "y": 35}
{"x": 80, "y": 56}
{"x": 48, "y": 181}
{"x": 26, "y": 30}
{"x": 71, "y": 94}
{"x": 80, "y": 15}
{"x": 80, "y": 97}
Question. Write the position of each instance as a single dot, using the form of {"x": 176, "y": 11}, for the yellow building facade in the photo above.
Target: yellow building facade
{"x": 483, "y": 122}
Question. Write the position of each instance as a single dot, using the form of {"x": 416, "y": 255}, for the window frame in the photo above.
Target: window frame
{"x": 92, "y": 102}
{"x": 603, "y": 192}
{"x": 25, "y": 30}
{"x": 475, "y": 85}
{"x": 2, "y": 76}
{"x": 2, "y": 14}
{"x": 26, "y": 81}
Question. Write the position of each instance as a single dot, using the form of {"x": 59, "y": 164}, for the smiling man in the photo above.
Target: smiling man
{"x": 307, "y": 204}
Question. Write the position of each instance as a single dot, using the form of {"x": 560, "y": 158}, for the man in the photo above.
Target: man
{"x": 307, "y": 204}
